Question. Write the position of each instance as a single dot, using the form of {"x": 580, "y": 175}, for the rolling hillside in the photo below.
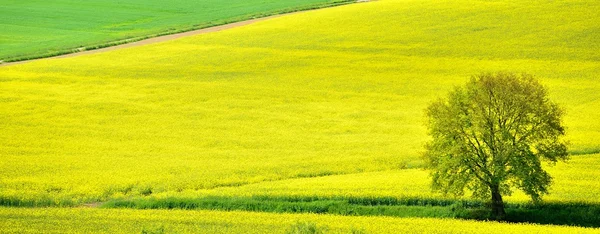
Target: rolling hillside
{"x": 326, "y": 104}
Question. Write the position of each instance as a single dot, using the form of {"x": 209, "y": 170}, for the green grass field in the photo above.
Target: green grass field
{"x": 325, "y": 104}
{"x": 32, "y": 29}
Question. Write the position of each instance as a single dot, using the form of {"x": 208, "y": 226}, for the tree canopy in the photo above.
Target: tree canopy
{"x": 489, "y": 135}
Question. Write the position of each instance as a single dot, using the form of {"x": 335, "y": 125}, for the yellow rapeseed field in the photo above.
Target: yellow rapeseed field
{"x": 337, "y": 93}
{"x": 575, "y": 181}
{"x": 81, "y": 220}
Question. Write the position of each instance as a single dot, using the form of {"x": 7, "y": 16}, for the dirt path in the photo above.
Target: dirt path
{"x": 92, "y": 205}
{"x": 166, "y": 37}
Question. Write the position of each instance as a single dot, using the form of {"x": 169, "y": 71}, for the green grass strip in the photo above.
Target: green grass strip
{"x": 576, "y": 214}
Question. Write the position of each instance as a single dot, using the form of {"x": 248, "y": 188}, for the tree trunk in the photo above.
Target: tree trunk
{"x": 497, "y": 203}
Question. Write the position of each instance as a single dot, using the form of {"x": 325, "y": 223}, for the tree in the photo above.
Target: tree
{"x": 490, "y": 135}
